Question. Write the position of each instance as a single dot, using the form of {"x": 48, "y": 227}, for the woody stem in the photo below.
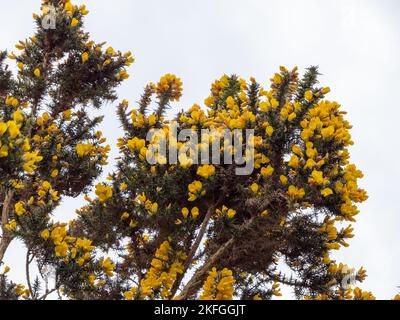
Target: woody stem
{"x": 6, "y": 235}
{"x": 194, "y": 248}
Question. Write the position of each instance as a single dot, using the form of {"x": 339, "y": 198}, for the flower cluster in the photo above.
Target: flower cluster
{"x": 195, "y": 190}
{"x": 68, "y": 247}
{"x": 103, "y": 192}
{"x": 14, "y": 142}
{"x": 163, "y": 272}
{"x": 170, "y": 86}
{"x": 218, "y": 285}
{"x": 224, "y": 211}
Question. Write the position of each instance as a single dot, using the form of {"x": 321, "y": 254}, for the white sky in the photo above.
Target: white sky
{"x": 355, "y": 43}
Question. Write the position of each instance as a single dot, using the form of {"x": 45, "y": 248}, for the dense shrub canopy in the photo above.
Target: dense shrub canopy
{"x": 229, "y": 232}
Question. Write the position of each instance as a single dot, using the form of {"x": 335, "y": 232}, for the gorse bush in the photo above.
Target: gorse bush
{"x": 49, "y": 144}
{"x": 224, "y": 232}
{"x": 162, "y": 229}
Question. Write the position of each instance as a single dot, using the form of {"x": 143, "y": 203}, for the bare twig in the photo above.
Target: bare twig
{"x": 195, "y": 246}
{"x": 48, "y": 292}
{"x": 28, "y": 277}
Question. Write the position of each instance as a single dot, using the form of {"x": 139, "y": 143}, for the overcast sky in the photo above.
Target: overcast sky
{"x": 355, "y": 43}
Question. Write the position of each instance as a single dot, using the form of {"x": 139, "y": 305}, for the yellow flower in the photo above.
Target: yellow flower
{"x": 297, "y": 150}
{"x": 154, "y": 208}
{"x": 185, "y": 212}
{"x": 231, "y": 213}
{"x": 46, "y": 185}
{"x": 172, "y": 84}
{"x": 218, "y": 285}
{"x": 11, "y": 226}
{"x": 266, "y": 172}
{"x": 264, "y": 214}
{"x": 45, "y": 234}
{"x": 83, "y": 10}
{"x": 308, "y": 95}
{"x": 310, "y": 164}
{"x": 277, "y": 79}
{"x": 195, "y": 212}
{"x": 184, "y": 160}
{"x": 316, "y": 177}
{"x": 61, "y": 249}
{"x": 19, "y": 208}
{"x": 37, "y": 73}
{"x": 54, "y": 173}
{"x": 292, "y": 116}
{"x": 3, "y": 151}
{"x": 18, "y": 116}
{"x": 3, "y": 128}
{"x": 110, "y": 50}
{"x": 274, "y": 103}
{"x": 206, "y": 171}
{"x": 294, "y": 161}
{"x": 67, "y": 114}
{"x": 123, "y": 186}
{"x": 152, "y": 120}
{"x": 142, "y": 197}
{"x": 100, "y": 283}
{"x": 103, "y": 192}
{"x": 221, "y": 211}
{"x": 20, "y": 65}
{"x": 264, "y": 106}
{"x": 6, "y": 270}
{"x": 10, "y": 101}
{"x": 125, "y": 216}
{"x": 283, "y": 179}
{"x": 122, "y": 75}
{"x": 195, "y": 187}
{"x": 295, "y": 192}
{"x": 276, "y": 290}
{"x": 108, "y": 267}
{"x": 74, "y": 22}
{"x": 328, "y": 132}
{"x": 85, "y": 57}
{"x": 129, "y": 295}
{"x": 13, "y": 129}
{"x": 326, "y": 192}
{"x": 326, "y": 90}
{"x": 84, "y": 149}
{"x": 133, "y": 224}
{"x": 254, "y": 187}
{"x": 269, "y": 131}
{"x": 68, "y": 6}
{"x": 30, "y": 159}
{"x": 362, "y": 274}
